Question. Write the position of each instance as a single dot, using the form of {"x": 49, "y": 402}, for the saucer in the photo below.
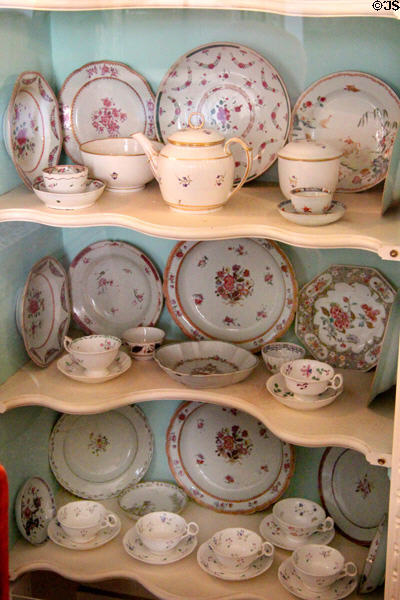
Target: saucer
{"x": 57, "y": 535}
{"x": 207, "y": 561}
{"x": 75, "y": 201}
{"x": 292, "y": 582}
{"x": 274, "y": 534}
{"x": 134, "y": 546}
{"x": 73, "y": 370}
{"x": 335, "y": 213}
{"x": 277, "y": 388}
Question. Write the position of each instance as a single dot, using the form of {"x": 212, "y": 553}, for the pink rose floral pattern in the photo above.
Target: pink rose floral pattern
{"x": 233, "y": 284}
{"x": 108, "y": 118}
{"x": 24, "y": 129}
{"x": 233, "y": 443}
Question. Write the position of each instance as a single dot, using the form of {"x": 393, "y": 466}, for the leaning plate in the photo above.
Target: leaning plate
{"x": 34, "y": 508}
{"x": 241, "y": 291}
{"x": 43, "y": 311}
{"x": 373, "y": 574}
{"x": 335, "y": 213}
{"x": 353, "y": 492}
{"x": 139, "y": 499}
{"x": 391, "y": 190}
{"x": 239, "y": 93}
{"x": 104, "y": 99}
{"x": 114, "y": 286}
{"x": 342, "y": 316}
{"x": 97, "y": 456}
{"x": 226, "y": 460}
{"x": 93, "y": 191}
{"x": 357, "y": 112}
{"x": 57, "y": 535}
{"x": 32, "y": 128}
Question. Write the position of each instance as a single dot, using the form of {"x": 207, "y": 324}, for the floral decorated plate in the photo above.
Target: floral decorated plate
{"x": 279, "y": 538}
{"x": 57, "y": 535}
{"x": 353, "y": 492}
{"x": 207, "y": 561}
{"x": 33, "y": 134}
{"x": 373, "y": 574}
{"x": 239, "y": 94}
{"x": 73, "y": 370}
{"x": 358, "y": 113}
{"x": 114, "y": 287}
{"x": 43, "y": 311}
{"x": 342, "y": 316}
{"x": 241, "y": 291}
{"x": 226, "y": 459}
{"x": 104, "y": 99}
{"x": 276, "y": 386}
{"x": 151, "y": 496}
{"x": 35, "y": 507}
{"x": 98, "y": 456}
{"x": 94, "y": 189}
{"x": 134, "y": 546}
{"x": 335, "y": 213}
{"x": 391, "y": 190}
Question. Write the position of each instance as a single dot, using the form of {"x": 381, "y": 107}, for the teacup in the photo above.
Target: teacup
{"x": 311, "y": 200}
{"x": 306, "y": 377}
{"x": 320, "y": 566}
{"x": 65, "y": 179}
{"x": 161, "y": 531}
{"x": 143, "y": 341}
{"x": 83, "y": 519}
{"x": 236, "y": 548}
{"x": 300, "y": 517}
{"x": 276, "y": 354}
{"x": 93, "y": 352}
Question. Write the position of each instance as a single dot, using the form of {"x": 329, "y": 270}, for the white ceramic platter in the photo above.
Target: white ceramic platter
{"x": 226, "y": 459}
{"x": 207, "y": 561}
{"x": 94, "y": 189}
{"x": 358, "y": 113}
{"x": 57, "y": 535}
{"x": 354, "y": 493}
{"x": 73, "y": 370}
{"x": 98, "y": 456}
{"x": 335, "y": 213}
{"x": 151, "y": 496}
{"x": 277, "y": 388}
{"x": 274, "y": 534}
{"x": 43, "y": 311}
{"x": 342, "y": 316}
{"x": 134, "y": 546}
{"x": 391, "y": 190}
{"x": 239, "y": 93}
{"x": 32, "y": 128}
{"x": 34, "y": 508}
{"x": 104, "y": 99}
{"x": 114, "y": 286}
{"x": 241, "y": 291}
{"x": 373, "y": 574}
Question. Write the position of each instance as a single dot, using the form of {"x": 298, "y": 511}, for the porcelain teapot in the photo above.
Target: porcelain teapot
{"x": 195, "y": 169}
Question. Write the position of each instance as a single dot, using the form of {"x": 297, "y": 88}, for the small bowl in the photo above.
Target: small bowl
{"x": 65, "y": 179}
{"x": 143, "y": 341}
{"x": 311, "y": 200}
{"x": 277, "y": 353}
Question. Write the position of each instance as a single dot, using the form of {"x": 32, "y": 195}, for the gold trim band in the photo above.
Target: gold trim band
{"x": 311, "y": 159}
{"x": 189, "y": 208}
{"x": 194, "y": 144}
{"x": 209, "y": 158}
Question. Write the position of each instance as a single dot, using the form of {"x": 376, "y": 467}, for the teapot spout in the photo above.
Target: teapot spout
{"x": 150, "y": 150}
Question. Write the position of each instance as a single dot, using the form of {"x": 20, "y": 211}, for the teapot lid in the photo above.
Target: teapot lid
{"x": 196, "y": 134}
{"x": 309, "y": 150}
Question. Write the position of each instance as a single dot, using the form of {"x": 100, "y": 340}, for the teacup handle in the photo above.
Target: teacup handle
{"x": 267, "y": 549}
{"x": 327, "y": 525}
{"x": 336, "y": 382}
{"x": 349, "y": 570}
{"x": 249, "y": 161}
{"x": 109, "y": 520}
{"x": 67, "y": 343}
{"x": 191, "y": 529}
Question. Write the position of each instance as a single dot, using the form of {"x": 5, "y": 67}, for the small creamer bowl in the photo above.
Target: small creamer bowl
{"x": 93, "y": 352}
{"x": 236, "y": 548}
{"x": 161, "y": 531}
{"x": 306, "y": 377}
{"x": 81, "y": 520}
{"x": 65, "y": 179}
{"x": 300, "y": 517}
{"x": 320, "y": 566}
{"x": 276, "y": 354}
{"x": 143, "y": 341}
{"x": 311, "y": 200}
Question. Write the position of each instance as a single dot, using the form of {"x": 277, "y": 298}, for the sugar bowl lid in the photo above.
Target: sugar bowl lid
{"x": 196, "y": 134}
{"x": 309, "y": 150}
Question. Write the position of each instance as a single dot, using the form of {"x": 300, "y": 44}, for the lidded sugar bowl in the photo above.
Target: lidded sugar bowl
{"x": 195, "y": 169}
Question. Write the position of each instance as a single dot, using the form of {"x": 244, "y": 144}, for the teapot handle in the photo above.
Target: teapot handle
{"x": 249, "y": 161}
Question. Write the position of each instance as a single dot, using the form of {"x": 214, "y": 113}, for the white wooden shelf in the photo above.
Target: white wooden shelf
{"x": 183, "y": 580}
{"x": 348, "y": 422}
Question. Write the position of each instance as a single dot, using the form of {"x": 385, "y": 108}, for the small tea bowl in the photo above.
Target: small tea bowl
{"x": 161, "y": 531}
{"x": 300, "y": 517}
{"x": 236, "y": 548}
{"x": 311, "y": 201}
{"x": 65, "y": 179}
{"x": 81, "y": 520}
{"x": 143, "y": 341}
{"x": 93, "y": 352}
{"x": 276, "y": 354}
{"x": 306, "y": 377}
{"x": 319, "y": 566}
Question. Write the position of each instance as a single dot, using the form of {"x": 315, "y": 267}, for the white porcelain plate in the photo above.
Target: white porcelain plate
{"x": 94, "y": 189}
{"x": 207, "y": 561}
{"x": 151, "y": 496}
{"x": 114, "y": 286}
{"x": 335, "y": 213}
{"x": 97, "y": 456}
{"x": 73, "y": 370}
{"x": 104, "y": 99}
{"x": 354, "y": 493}
{"x": 241, "y": 291}
{"x": 274, "y": 534}
{"x": 32, "y": 128}
{"x": 359, "y": 114}
{"x": 57, "y": 535}
{"x": 226, "y": 459}
{"x": 134, "y": 546}
{"x": 276, "y": 386}
{"x": 342, "y": 316}
{"x": 34, "y": 508}
{"x": 43, "y": 311}
{"x": 373, "y": 574}
{"x": 239, "y": 93}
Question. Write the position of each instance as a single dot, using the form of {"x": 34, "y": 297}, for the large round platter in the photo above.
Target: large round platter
{"x": 354, "y": 493}
{"x": 373, "y": 574}
{"x": 32, "y": 128}
{"x": 239, "y": 93}
{"x": 114, "y": 286}
{"x": 240, "y": 291}
{"x": 98, "y": 456}
{"x": 226, "y": 460}
{"x": 35, "y": 507}
{"x": 44, "y": 311}
{"x": 342, "y": 316}
{"x": 357, "y": 112}
{"x": 104, "y": 99}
